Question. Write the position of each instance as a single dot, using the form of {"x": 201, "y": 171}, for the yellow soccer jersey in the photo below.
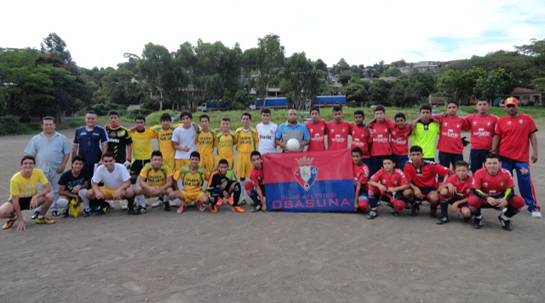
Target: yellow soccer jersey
{"x": 246, "y": 140}
{"x": 225, "y": 143}
{"x": 156, "y": 178}
{"x": 141, "y": 144}
{"x": 26, "y": 188}
{"x": 165, "y": 140}
{"x": 206, "y": 142}
{"x": 192, "y": 181}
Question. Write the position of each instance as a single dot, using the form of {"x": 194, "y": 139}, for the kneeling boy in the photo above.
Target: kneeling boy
{"x": 255, "y": 188}
{"x": 155, "y": 180}
{"x": 221, "y": 185}
{"x": 193, "y": 179}
{"x": 73, "y": 185}
{"x": 361, "y": 176}
{"x": 455, "y": 191}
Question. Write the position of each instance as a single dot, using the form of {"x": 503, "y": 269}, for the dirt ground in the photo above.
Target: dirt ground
{"x": 269, "y": 257}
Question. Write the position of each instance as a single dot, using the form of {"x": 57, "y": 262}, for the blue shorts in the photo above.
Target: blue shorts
{"x": 426, "y": 191}
{"x": 457, "y": 198}
{"x": 446, "y": 159}
{"x": 477, "y": 158}
{"x": 400, "y": 161}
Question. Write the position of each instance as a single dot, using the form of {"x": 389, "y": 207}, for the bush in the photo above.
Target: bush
{"x": 131, "y": 114}
{"x": 10, "y": 125}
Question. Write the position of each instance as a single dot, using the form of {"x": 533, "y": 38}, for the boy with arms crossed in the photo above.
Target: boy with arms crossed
{"x": 456, "y": 191}
{"x": 183, "y": 140}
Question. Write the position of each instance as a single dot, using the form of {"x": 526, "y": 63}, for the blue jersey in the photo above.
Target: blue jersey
{"x": 90, "y": 143}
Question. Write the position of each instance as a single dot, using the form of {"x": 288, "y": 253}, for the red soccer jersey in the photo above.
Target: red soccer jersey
{"x": 337, "y": 135}
{"x": 257, "y": 177}
{"x": 463, "y": 189}
{"x": 482, "y": 130}
{"x": 425, "y": 175}
{"x": 317, "y": 133}
{"x": 450, "y": 140}
{"x": 492, "y": 185}
{"x": 397, "y": 178}
{"x": 361, "y": 175}
{"x": 361, "y": 138}
{"x": 381, "y": 138}
{"x": 400, "y": 140}
{"x": 514, "y": 133}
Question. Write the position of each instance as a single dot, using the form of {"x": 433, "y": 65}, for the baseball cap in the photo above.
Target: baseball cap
{"x": 511, "y": 101}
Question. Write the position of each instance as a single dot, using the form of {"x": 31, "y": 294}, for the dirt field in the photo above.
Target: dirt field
{"x": 269, "y": 257}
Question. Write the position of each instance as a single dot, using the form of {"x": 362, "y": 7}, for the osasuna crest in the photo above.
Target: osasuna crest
{"x": 520, "y": 121}
{"x": 305, "y": 174}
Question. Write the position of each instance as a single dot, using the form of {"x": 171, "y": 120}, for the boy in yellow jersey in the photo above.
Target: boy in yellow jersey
{"x": 194, "y": 179}
{"x": 247, "y": 140}
{"x": 141, "y": 150}
{"x": 205, "y": 140}
{"x": 225, "y": 141}
{"x": 163, "y": 134}
{"x": 155, "y": 181}
{"x": 25, "y": 195}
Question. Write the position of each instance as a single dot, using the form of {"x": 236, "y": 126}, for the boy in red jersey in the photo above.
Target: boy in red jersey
{"x": 255, "y": 188}
{"x": 318, "y": 129}
{"x": 421, "y": 176}
{"x": 482, "y": 126}
{"x": 400, "y": 140}
{"x": 514, "y": 133}
{"x": 380, "y": 131}
{"x": 361, "y": 137}
{"x": 361, "y": 176}
{"x": 388, "y": 184}
{"x": 338, "y": 130}
{"x": 450, "y": 144}
{"x": 493, "y": 187}
{"x": 456, "y": 191}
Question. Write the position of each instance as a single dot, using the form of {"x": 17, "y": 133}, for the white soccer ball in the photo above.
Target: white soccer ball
{"x": 293, "y": 145}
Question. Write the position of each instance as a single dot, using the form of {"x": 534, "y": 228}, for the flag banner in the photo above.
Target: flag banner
{"x": 309, "y": 181}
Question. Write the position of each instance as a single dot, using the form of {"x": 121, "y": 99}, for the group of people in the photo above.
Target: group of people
{"x": 116, "y": 163}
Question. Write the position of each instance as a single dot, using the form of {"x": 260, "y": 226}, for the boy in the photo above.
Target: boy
{"x": 225, "y": 141}
{"x": 73, "y": 185}
{"x": 193, "y": 179}
{"x": 163, "y": 134}
{"x": 421, "y": 176}
{"x": 338, "y": 130}
{"x": 183, "y": 140}
{"x": 119, "y": 140}
{"x": 455, "y": 191}
{"x": 482, "y": 126}
{"x": 141, "y": 140}
{"x": 493, "y": 187}
{"x": 361, "y": 137}
{"x": 424, "y": 132}
{"x": 155, "y": 181}
{"x": 388, "y": 184}
{"x": 361, "y": 176}
{"x": 266, "y": 131}
{"x": 450, "y": 144}
{"x": 380, "y": 131}
{"x": 256, "y": 187}
{"x": 205, "y": 140}
{"x": 24, "y": 194}
{"x": 318, "y": 130}
{"x": 246, "y": 140}
{"x": 400, "y": 140}
{"x": 221, "y": 185}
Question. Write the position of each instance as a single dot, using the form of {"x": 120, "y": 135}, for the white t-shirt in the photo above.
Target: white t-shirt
{"x": 185, "y": 138}
{"x": 266, "y": 134}
{"x": 112, "y": 180}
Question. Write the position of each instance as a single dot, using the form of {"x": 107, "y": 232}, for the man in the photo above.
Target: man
{"x": 183, "y": 140}
{"x": 361, "y": 137}
{"x": 292, "y": 129}
{"x": 317, "y": 129}
{"x": 141, "y": 150}
{"x": 338, "y": 130}
{"x": 424, "y": 132}
{"x": 194, "y": 179}
{"x": 117, "y": 184}
{"x": 380, "y": 132}
{"x": 493, "y": 187}
{"x": 119, "y": 140}
{"x": 482, "y": 133}
{"x": 513, "y": 134}
{"x": 266, "y": 131}
{"x": 52, "y": 152}
{"x": 155, "y": 181}
{"x": 24, "y": 195}
{"x": 90, "y": 141}
{"x": 450, "y": 144}
{"x": 73, "y": 185}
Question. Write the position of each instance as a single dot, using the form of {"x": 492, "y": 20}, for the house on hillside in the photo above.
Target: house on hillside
{"x": 527, "y": 96}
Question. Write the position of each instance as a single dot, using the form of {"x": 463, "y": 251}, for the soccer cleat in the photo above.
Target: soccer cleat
{"x": 372, "y": 214}
{"x": 101, "y": 211}
{"x": 220, "y": 202}
{"x": 87, "y": 212}
{"x": 536, "y": 214}
{"x": 55, "y": 213}
{"x": 143, "y": 210}
{"x": 123, "y": 204}
{"x": 477, "y": 223}
{"x": 157, "y": 203}
{"x": 213, "y": 208}
{"x": 395, "y": 212}
{"x": 133, "y": 212}
{"x": 467, "y": 219}
{"x": 202, "y": 207}
{"x": 415, "y": 209}
{"x": 181, "y": 209}
{"x": 65, "y": 213}
{"x": 442, "y": 220}
{"x": 505, "y": 224}
{"x": 230, "y": 201}
{"x": 167, "y": 206}
{"x": 10, "y": 223}
{"x": 241, "y": 202}
{"x": 433, "y": 212}
{"x": 256, "y": 208}
{"x": 44, "y": 220}
{"x": 35, "y": 215}
{"x": 238, "y": 209}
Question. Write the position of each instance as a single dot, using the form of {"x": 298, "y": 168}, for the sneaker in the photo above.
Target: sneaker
{"x": 415, "y": 209}
{"x": 123, "y": 204}
{"x": 220, "y": 202}
{"x": 202, "y": 207}
{"x": 157, "y": 203}
{"x": 378, "y": 203}
{"x": 55, "y": 213}
{"x": 167, "y": 206}
{"x": 87, "y": 212}
{"x": 395, "y": 212}
{"x": 65, "y": 213}
{"x": 213, "y": 208}
{"x": 101, "y": 211}
{"x": 467, "y": 219}
{"x": 372, "y": 214}
{"x": 256, "y": 208}
{"x": 433, "y": 212}
{"x": 35, "y": 215}
{"x": 181, "y": 209}
{"x": 241, "y": 202}
{"x": 536, "y": 214}
{"x": 477, "y": 223}
{"x": 133, "y": 212}
{"x": 238, "y": 209}
{"x": 111, "y": 203}
{"x": 44, "y": 220}
{"x": 442, "y": 220}
{"x": 408, "y": 205}
{"x": 230, "y": 201}
{"x": 143, "y": 210}
{"x": 10, "y": 223}
{"x": 505, "y": 224}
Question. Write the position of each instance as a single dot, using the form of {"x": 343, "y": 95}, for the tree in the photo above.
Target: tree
{"x": 495, "y": 84}
{"x": 345, "y": 78}
{"x": 391, "y": 72}
{"x": 320, "y": 64}
{"x": 536, "y": 52}
{"x": 301, "y": 80}
{"x": 356, "y": 92}
{"x": 156, "y": 69}
{"x": 340, "y": 67}
{"x": 270, "y": 61}
{"x": 399, "y": 63}
{"x": 54, "y": 45}
{"x": 379, "y": 90}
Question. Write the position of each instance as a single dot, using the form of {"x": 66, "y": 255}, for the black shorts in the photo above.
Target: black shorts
{"x": 24, "y": 203}
{"x": 137, "y": 166}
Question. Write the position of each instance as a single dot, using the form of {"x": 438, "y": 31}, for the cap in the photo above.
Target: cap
{"x": 511, "y": 101}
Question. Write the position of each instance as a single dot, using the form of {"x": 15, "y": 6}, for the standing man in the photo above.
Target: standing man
{"x": 482, "y": 125}
{"x": 450, "y": 145}
{"x": 90, "y": 141}
{"x": 292, "y": 129}
{"x": 425, "y": 131}
{"x": 514, "y": 133}
{"x": 52, "y": 151}
{"x": 119, "y": 140}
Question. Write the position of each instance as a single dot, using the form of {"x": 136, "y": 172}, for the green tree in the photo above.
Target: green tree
{"x": 270, "y": 61}
{"x": 54, "y": 45}
{"x": 320, "y": 64}
{"x": 379, "y": 90}
{"x": 399, "y": 63}
{"x": 536, "y": 51}
{"x": 340, "y": 67}
{"x": 156, "y": 68}
{"x": 494, "y": 84}
{"x": 301, "y": 80}
{"x": 391, "y": 72}
{"x": 356, "y": 92}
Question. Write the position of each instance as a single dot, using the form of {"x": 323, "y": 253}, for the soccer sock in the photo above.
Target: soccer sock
{"x": 82, "y": 194}
{"x": 237, "y": 193}
{"x": 241, "y": 184}
{"x": 141, "y": 200}
{"x": 62, "y": 203}
{"x": 176, "y": 202}
{"x": 510, "y": 212}
{"x": 444, "y": 209}
{"x": 103, "y": 204}
{"x": 130, "y": 202}
{"x": 373, "y": 202}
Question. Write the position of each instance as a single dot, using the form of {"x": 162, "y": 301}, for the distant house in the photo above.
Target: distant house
{"x": 527, "y": 96}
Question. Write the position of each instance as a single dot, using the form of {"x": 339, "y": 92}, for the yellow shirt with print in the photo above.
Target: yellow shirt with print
{"x": 26, "y": 188}
{"x": 156, "y": 177}
{"x": 206, "y": 142}
{"x": 141, "y": 144}
{"x": 246, "y": 140}
{"x": 225, "y": 143}
{"x": 192, "y": 182}
{"x": 165, "y": 140}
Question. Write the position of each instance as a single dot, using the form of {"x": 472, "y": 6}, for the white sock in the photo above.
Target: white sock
{"x": 83, "y": 195}
{"x": 141, "y": 200}
{"x": 62, "y": 203}
{"x": 503, "y": 216}
{"x": 242, "y": 192}
{"x": 176, "y": 202}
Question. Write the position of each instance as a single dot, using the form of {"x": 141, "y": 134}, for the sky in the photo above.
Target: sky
{"x": 98, "y": 33}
